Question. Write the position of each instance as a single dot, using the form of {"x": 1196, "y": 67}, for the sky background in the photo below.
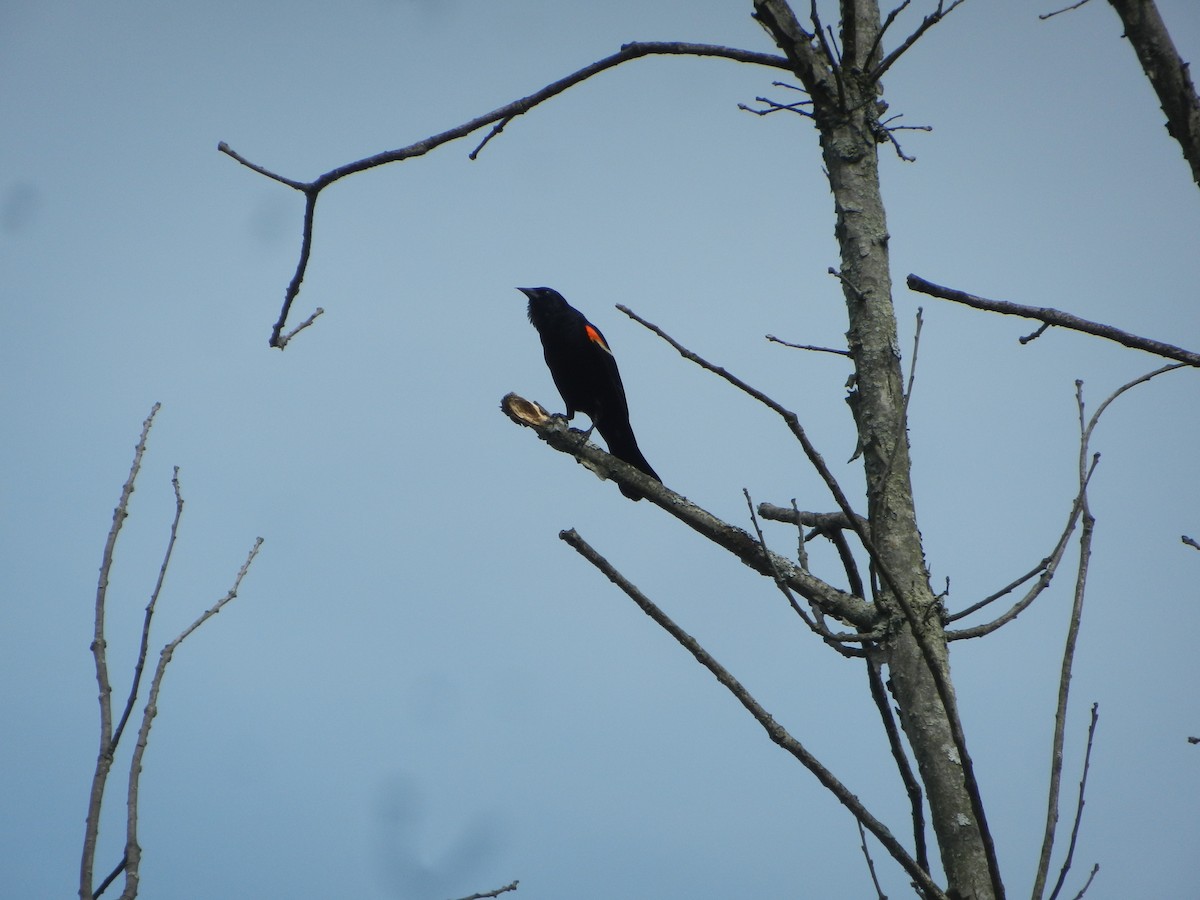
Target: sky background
{"x": 421, "y": 692}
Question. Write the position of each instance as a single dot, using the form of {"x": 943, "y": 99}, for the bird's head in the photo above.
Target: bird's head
{"x": 543, "y": 302}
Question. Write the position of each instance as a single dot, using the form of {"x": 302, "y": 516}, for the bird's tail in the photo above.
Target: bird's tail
{"x": 623, "y": 445}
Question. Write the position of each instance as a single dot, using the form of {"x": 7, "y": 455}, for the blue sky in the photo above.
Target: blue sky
{"x": 421, "y": 692}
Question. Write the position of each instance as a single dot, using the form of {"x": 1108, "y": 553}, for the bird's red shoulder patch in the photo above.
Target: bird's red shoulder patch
{"x": 596, "y": 337}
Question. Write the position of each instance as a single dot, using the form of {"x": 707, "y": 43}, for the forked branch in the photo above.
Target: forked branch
{"x": 498, "y": 118}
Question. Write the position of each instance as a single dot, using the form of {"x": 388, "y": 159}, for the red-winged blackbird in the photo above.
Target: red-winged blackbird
{"x": 585, "y": 373}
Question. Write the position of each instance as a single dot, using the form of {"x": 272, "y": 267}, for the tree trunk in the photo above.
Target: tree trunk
{"x": 846, "y": 111}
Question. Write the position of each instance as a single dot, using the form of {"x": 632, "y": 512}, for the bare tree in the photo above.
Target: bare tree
{"x": 890, "y": 616}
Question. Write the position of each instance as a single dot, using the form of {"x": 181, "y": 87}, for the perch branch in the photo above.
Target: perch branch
{"x": 555, "y": 432}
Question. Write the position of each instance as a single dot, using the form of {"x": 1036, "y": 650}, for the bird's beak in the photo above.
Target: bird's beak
{"x": 526, "y": 291}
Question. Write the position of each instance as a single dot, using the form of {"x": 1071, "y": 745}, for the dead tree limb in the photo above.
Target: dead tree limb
{"x": 499, "y": 118}
{"x": 1056, "y": 317}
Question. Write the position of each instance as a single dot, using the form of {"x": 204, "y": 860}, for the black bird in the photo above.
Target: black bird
{"x": 585, "y": 373}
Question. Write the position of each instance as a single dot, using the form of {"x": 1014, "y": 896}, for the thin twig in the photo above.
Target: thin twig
{"x": 1051, "y": 15}
{"x": 902, "y": 437}
{"x": 815, "y": 625}
{"x": 1056, "y": 317}
{"x": 112, "y": 876}
{"x": 862, "y": 837}
{"x": 496, "y": 129}
{"x": 773, "y": 107}
{"x": 1034, "y": 335}
{"x": 928, "y": 22}
{"x": 133, "y": 852}
{"x": 887, "y": 23}
{"x": 1087, "y": 762}
{"x": 912, "y": 787}
{"x": 776, "y": 732}
{"x": 496, "y": 893}
{"x": 1087, "y": 884}
{"x": 283, "y": 341}
{"x": 1040, "y": 568}
{"x": 801, "y": 542}
{"x": 140, "y": 666}
{"x": 1048, "y": 569}
{"x": 1068, "y": 658}
{"x": 832, "y": 526}
{"x": 104, "y": 757}
{"x": 775, "y": 340}
{"x": 1087, "y": 428}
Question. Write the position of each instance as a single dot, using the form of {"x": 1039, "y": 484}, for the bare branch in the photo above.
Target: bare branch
{"x": 1056, "y": 317}
{"x": 1068, "y": 661}
{"x": 832, "y": 526}
{"x": 112, "y": 876}
{"x": 928, "y": 22}
{"x": 887, "y": 23}
{"x": 497, "y": 117}
{"x": 496, "y": 893}
{"x": 317, "y": 313}
{"x": 1048, "y": 568}
{"x": 1065, "y": 9}
{"x": 1087, "y": 884}
{"x": 776, "y": 732}
{"x": 823, "y": 522}
{"x": 1087, "y": 762}
{"x": 912, "y": 787}
{"x": 775, "y": 340}
{"x": 816, "y": 623}
{"x": 862, "y": 837}
{"x": 133, "y": 852}
{"x": 1168, "y": 74}
{"x": 104, "y": 757}
{"x": 496, "y": 129}
{"x": 140, "y": 666}
{"x": 773, "y": 107}
{"x": 555, "y": 432}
